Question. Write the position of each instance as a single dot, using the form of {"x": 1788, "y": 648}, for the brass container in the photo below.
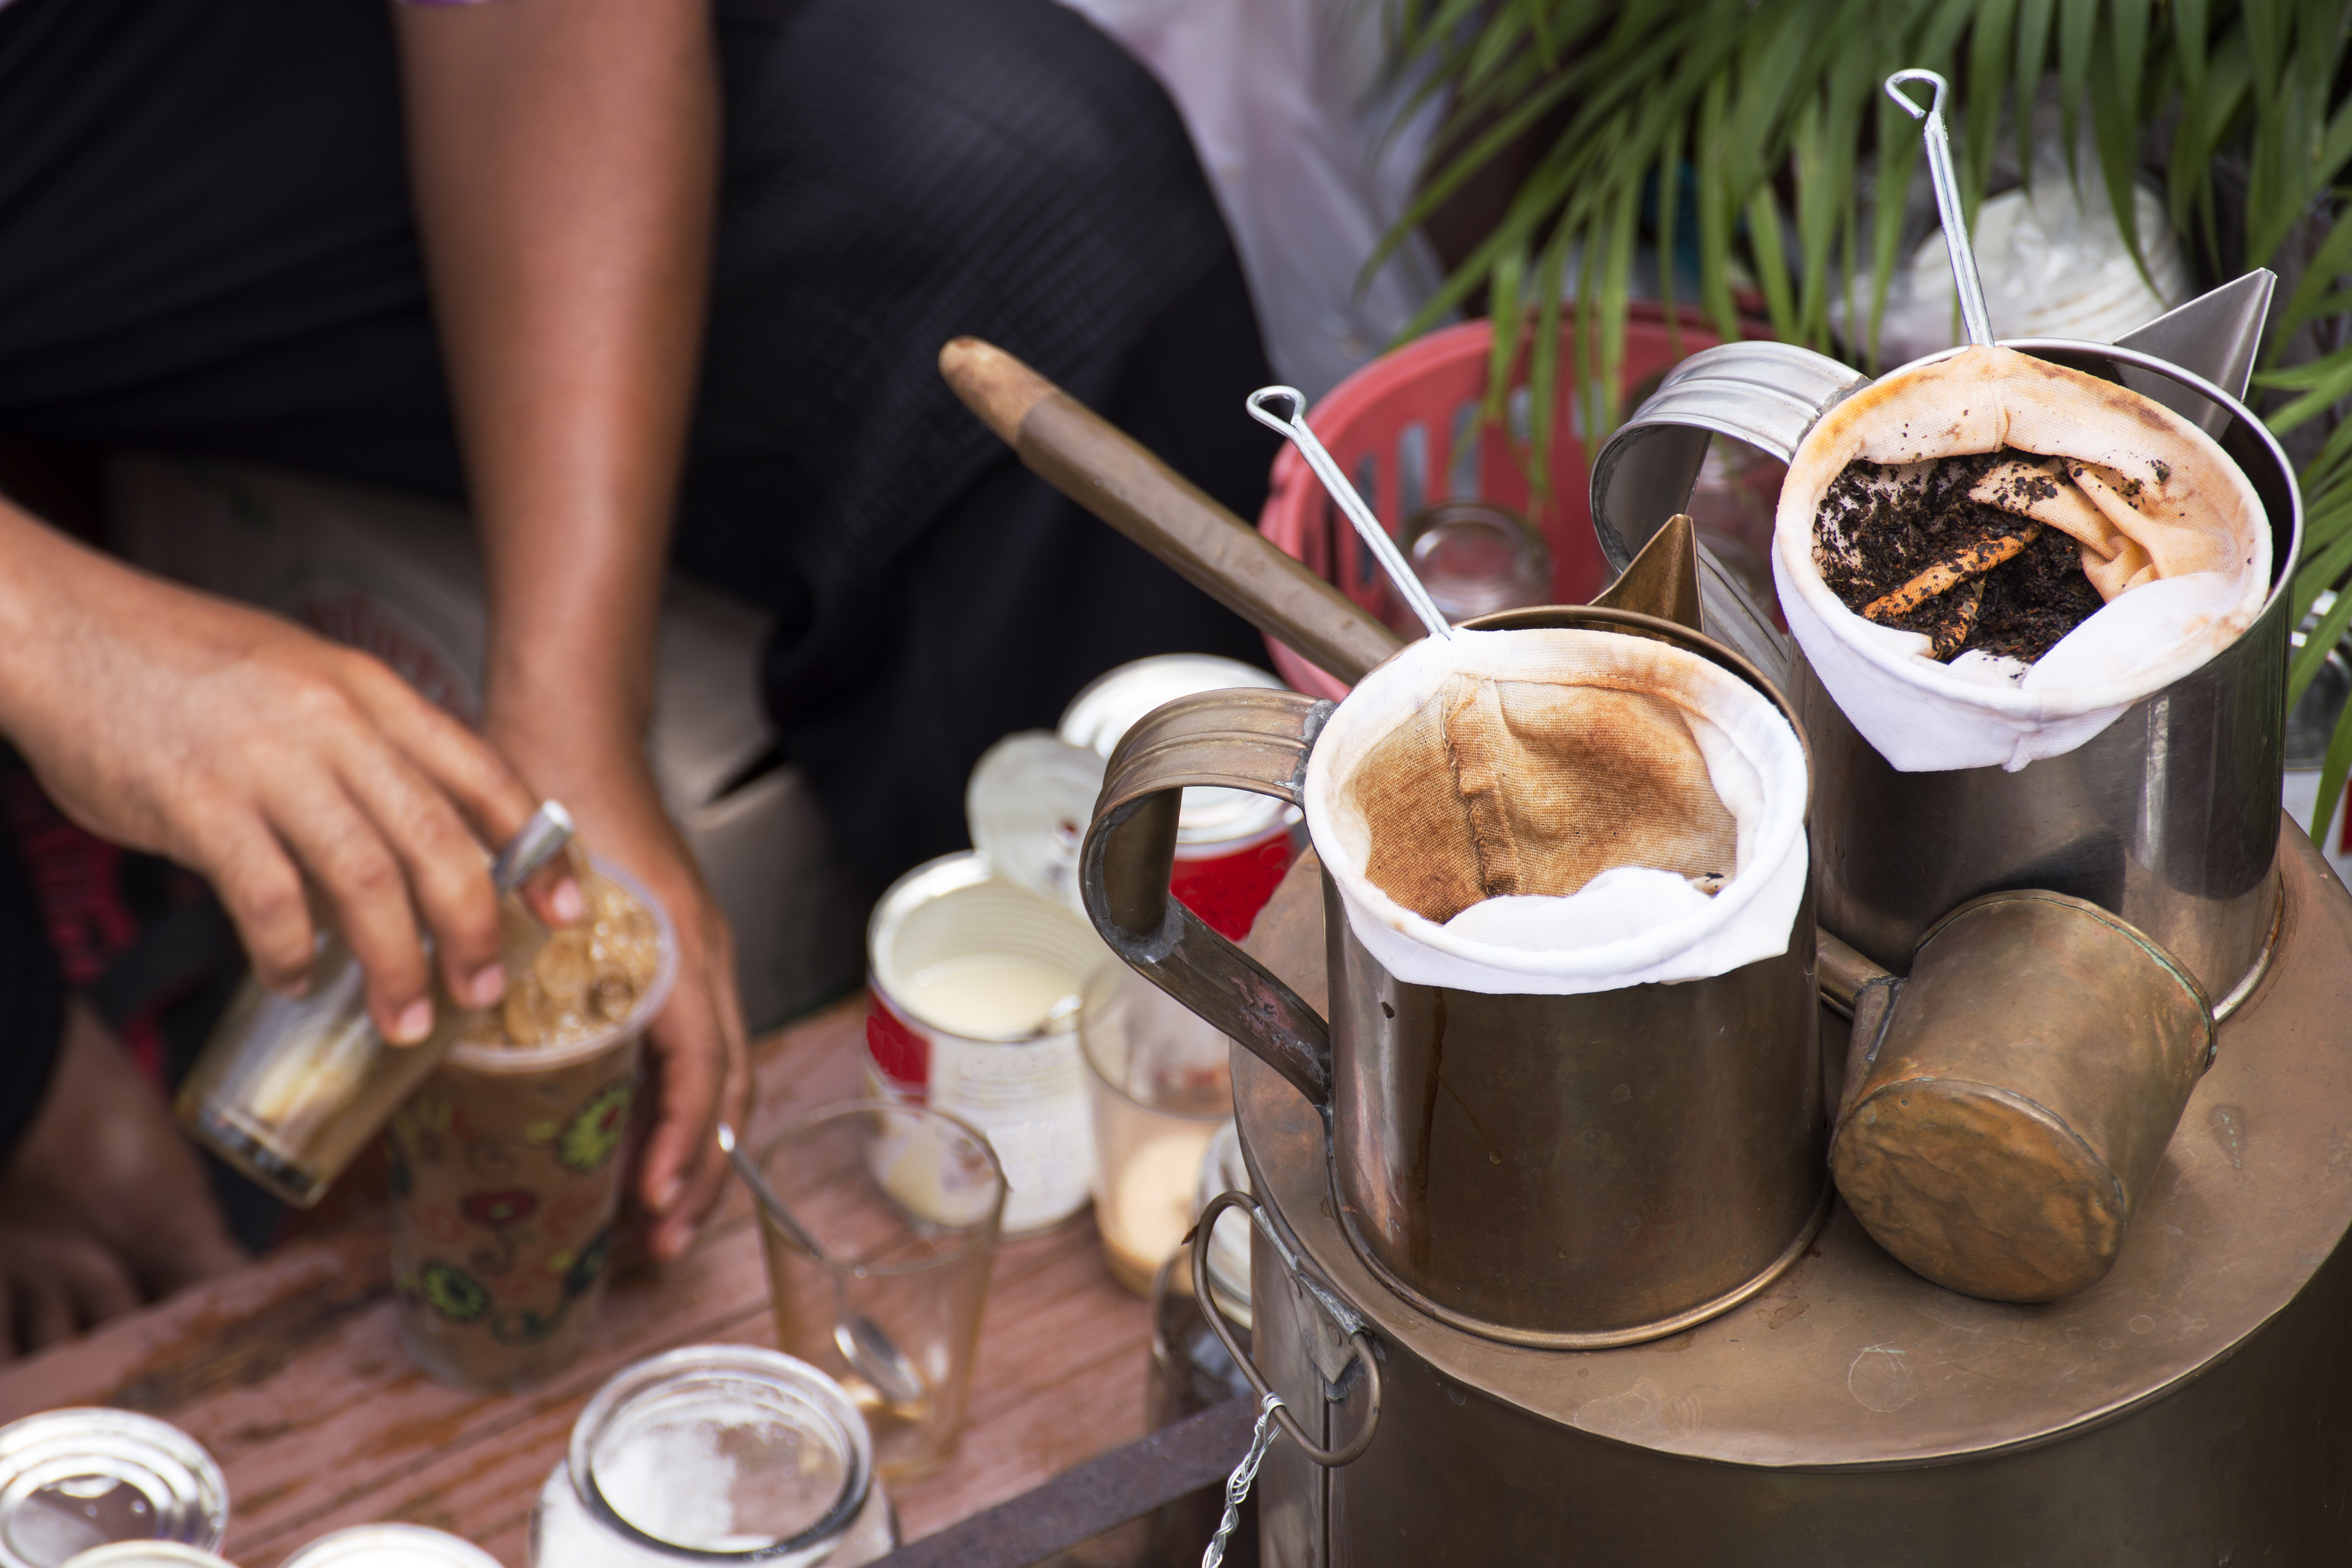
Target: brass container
{"x": 1547, "y": 1171}
{"x": 1998, "y": 1135}
{"x": 2192, "y": 1408}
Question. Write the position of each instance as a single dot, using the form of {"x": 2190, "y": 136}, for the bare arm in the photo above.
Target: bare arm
{"x": 565, "y": 159}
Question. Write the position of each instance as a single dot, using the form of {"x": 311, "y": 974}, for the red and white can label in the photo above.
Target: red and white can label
{"x": 1027, "y": 1096}
{"x": 1227, "y": 884}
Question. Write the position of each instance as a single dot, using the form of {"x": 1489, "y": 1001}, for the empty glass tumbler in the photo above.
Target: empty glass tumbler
{"x": 905, "y": 1204}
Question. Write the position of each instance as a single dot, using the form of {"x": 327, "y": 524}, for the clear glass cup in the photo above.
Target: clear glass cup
{"x": 75, "y": 1479}
{"x": 506, "y": 1177}
{"x": 715, "y": 1454}
{"x": 391, "y": 1546}
{"x": 1474, "y": 557}
{"x": 906, "y": 1204}
{"x": 1161, "y": 1083}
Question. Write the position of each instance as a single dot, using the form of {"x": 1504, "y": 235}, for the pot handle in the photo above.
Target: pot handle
{"x": 1251, "y": 739}
{"x": 1341, "y": 1314}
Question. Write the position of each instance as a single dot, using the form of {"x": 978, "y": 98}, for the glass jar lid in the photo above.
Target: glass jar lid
{"x": 723, "y": 1453}
{"x": 77, "y": 1478}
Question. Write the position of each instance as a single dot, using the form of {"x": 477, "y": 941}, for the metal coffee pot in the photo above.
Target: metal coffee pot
{"x": 2169, "y": 818}
{"x": 1571, "y": 1172}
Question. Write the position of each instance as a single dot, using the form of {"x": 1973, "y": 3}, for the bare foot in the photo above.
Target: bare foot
{"x": 102, "y": 1205}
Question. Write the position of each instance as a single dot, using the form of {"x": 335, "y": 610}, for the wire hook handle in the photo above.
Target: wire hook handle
{"x": 1974, "y": 317}
{"x": 1367, "y": 527}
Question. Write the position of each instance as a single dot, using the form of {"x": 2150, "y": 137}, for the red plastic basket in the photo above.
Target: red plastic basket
{"x": 1406, "y": 429}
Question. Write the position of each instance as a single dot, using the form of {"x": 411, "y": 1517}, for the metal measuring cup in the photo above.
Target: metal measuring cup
{"x": 290, "y": 1088}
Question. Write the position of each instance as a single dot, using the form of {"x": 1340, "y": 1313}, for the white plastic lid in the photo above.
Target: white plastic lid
{"x": 391, "y": 1546}
{"x": 1099, "y": 717}
{"x": 147, "y": 1554}
{"x": 1027, "y": 804}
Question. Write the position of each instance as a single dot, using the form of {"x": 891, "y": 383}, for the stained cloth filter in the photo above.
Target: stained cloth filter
{"x": 2171, "y": 532}
{"x": 1536, "y": 812}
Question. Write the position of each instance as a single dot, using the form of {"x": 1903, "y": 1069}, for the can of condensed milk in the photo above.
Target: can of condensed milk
{"x": 1233, "y": 845}
{"x": 972, "y": 1007}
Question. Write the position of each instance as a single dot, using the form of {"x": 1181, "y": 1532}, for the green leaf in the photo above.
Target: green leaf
{"x": 2033, "y": 21}
{"x": 1670, "y": 202}
{"x": 1990, "y": 51}
{"x": 2332, "y": 774}
{"x": 2323, "y": 383}
{"x": 1714, "y": 212}
{"x": 2323, "y": 571}
{"x": 2115, "y": 127}
{"x": 2303, "y": 666}
{"x": 2078, "y": 31}
{"x": 2312, "y": 300}
{"x": 1622, "y": 227}
{"x": 1771, "y": 260}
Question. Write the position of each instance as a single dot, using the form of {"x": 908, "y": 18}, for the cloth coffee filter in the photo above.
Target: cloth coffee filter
{"x": 1544, "y": 812}
{"x": 2170, "y": 530}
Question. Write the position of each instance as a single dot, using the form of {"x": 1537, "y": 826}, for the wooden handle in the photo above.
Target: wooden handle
{"x": 1106, "y": 471}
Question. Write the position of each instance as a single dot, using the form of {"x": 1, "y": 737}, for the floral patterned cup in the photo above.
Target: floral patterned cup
{"x": 506, "y": 1177}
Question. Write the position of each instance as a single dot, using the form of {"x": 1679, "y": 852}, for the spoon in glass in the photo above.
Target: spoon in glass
{"x": 863, "y": 1343}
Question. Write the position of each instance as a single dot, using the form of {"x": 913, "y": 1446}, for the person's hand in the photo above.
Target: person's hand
{"x": 253, "y": 752}
{"x": 102, "y": 1206}
{"x": 697, "y": 1042}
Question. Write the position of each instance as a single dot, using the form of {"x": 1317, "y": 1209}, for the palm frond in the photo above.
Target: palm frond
{"x": 1764, "y": 110}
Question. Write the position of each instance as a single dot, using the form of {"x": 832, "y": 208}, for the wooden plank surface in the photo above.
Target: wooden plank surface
{"x": 290, "y": 1370}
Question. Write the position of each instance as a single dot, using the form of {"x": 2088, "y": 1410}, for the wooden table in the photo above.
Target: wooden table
{"x": 290, "y": 1371}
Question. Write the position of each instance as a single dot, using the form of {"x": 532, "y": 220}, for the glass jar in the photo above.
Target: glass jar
{"x": 1222, "y": 1169}
{"x": 1190, "y": 1371}
{"x": 715, "y": 1454}
{"x": 391, "y": 1546}
{"x": 74, "y": 1479}
{"x": 1160, "y": 1080}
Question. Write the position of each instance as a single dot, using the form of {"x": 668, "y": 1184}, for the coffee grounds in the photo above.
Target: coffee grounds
{"x": 1881, "y": 526}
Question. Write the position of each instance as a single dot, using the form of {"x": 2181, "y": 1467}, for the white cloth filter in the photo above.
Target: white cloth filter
{"x": 1627, "y": 926}
{"x": 1980, "y": 711}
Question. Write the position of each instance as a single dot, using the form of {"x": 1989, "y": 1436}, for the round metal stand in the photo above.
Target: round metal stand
{"x": 2192, "y": 1410}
